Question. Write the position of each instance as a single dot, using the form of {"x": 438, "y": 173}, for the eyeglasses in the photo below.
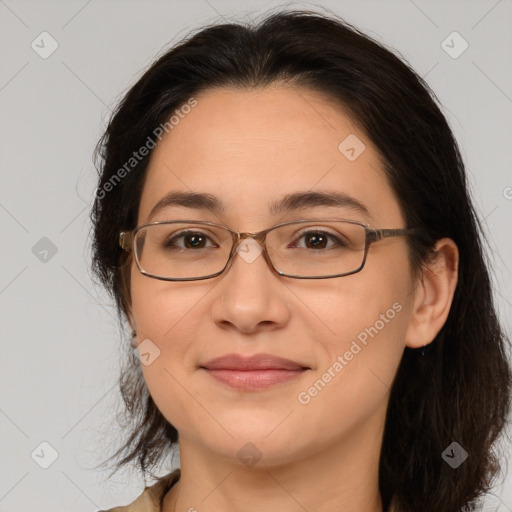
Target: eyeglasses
{"x": 186, "y": 250}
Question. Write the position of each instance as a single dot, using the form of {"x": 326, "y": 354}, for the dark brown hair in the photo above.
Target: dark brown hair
{"x": 460, "y": 389}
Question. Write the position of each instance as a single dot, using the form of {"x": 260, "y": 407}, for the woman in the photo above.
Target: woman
{"x": 283, "y": 219}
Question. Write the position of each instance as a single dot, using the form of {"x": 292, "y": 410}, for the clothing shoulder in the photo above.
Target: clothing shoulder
{"x": 151, "y": 498}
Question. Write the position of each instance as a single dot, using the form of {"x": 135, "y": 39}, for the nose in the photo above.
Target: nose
{"x": 250, "y": 295}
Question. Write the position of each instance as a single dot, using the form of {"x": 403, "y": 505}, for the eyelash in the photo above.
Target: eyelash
{"x": 169, "y": 242}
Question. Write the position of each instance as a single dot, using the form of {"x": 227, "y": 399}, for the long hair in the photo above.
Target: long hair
{"x": 459, "y": 391}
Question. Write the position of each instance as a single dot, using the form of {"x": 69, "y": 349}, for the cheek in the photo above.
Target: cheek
{"x": 160, "y": 308}
{"x": 366, "y": 317}
{"x": 359, "y": 358}
{"x": 365, "y": 306}
{"x": 164, "y": 318}
{"x": 368, "y": 340}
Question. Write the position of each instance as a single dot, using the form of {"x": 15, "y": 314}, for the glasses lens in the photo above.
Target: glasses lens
{"x": 316, "y": 249}
{"x": 303, "y": 249}
{"x": 182, "y": 250}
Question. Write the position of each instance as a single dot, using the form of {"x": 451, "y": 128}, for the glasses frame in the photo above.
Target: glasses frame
{"x": 127, "y": 243}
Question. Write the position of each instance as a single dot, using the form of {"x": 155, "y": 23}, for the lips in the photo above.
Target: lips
{"x": 256, "y": 362}
{"x": 254, "y": 373}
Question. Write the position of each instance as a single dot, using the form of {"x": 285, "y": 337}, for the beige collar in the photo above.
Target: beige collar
{"x": 151, "y": 498}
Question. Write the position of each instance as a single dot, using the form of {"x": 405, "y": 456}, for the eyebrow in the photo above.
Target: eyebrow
{"x": 289, "y": 202}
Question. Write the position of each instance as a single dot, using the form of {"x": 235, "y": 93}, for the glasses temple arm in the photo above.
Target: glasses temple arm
{"x": 126, "y": 240}
{"x": 378, "y": 234}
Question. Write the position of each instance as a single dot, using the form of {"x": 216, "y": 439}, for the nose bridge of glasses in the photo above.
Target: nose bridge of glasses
{"x": 240, "y": 237}
{"x": 248, "y": 254}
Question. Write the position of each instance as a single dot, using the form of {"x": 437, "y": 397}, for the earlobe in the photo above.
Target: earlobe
{"x": 433, "y": 296}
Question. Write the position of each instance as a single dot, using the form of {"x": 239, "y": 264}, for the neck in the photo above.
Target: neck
{"x": 343, "y": 476}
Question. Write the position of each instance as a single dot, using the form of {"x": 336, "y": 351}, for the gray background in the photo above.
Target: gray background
{"x": 60, "y": 340}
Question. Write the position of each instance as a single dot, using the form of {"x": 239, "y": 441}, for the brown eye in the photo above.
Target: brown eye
{"x": 190, "y": 240}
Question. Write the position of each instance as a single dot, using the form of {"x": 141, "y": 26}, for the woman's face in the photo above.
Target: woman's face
{"x": 250, "y": 149}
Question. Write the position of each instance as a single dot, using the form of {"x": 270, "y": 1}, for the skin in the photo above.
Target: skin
{"x": 248, "y": 148}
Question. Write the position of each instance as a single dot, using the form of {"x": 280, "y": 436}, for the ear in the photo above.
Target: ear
{"x": 433, "y": 295}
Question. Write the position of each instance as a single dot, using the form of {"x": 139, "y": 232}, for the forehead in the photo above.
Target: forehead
{"x": 250, "y": 147}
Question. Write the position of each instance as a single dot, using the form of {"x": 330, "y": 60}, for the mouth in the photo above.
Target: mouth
{"x": 254, "y": 373}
